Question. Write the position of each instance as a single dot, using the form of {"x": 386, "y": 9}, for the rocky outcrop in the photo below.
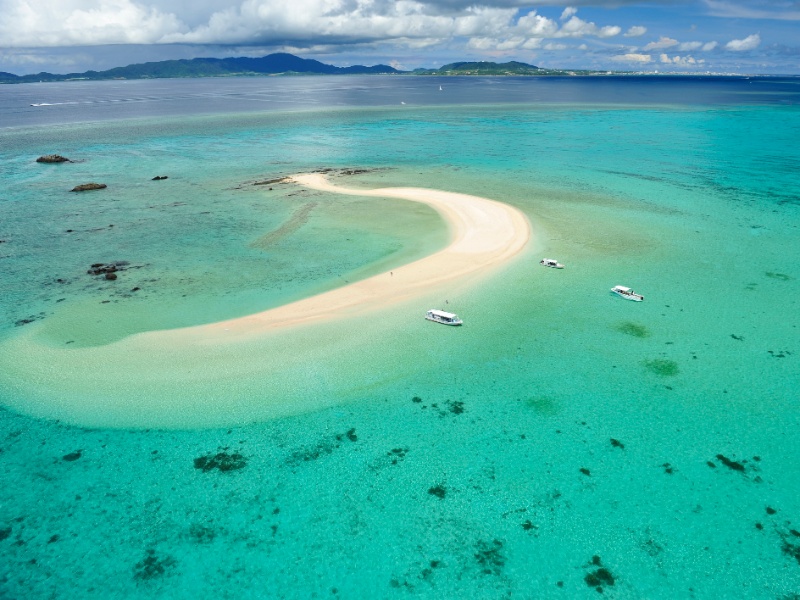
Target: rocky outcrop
{"x": 52, "y": 158}
{"x": 158, "y": 178}
{"x": 85, "y": 187}
{"x": 108, "y": 269}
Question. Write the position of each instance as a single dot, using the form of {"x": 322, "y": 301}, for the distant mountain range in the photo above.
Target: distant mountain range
{"x": 272, "y": 64}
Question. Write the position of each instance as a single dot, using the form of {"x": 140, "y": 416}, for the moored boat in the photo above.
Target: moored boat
{"x": 445, "y": 318}
{"x": 627, "y": 293}
{"x": 549, "y": 262}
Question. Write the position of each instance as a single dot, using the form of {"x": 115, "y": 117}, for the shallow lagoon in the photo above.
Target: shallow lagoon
{"x": 393, "y": 457}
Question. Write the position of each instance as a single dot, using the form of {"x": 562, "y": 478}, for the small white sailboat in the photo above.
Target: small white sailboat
{"x": 550, "y": 262}
{"x": 627, "y": 293}
{"x": 440, "y": 88}
{"x": 445, "y": 318}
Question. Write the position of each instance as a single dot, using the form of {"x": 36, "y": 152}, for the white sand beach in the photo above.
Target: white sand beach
{"x": 484, "y": 234}
{"x": 215, "y": 373}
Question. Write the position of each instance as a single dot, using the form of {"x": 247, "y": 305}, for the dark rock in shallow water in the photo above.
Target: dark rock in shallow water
{"x": 52, "y": 158}
{"x": 600, "y": 577}
{"x": 72, "y": 456}
{"x": 438, "y": 490}
{"x": 4, "y": 533}
{"x": 731, "y": 464}
{"x": 85, "y": 187}
{"x": 111, "y": 276}
{"x": 29, "y": 319}
{"x": 159, "y": 178}
{"x": 107, "y": 269}
{"x": 221, "y": 461}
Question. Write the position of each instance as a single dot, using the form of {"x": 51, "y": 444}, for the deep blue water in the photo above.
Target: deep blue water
{"x": 80, "y": 101}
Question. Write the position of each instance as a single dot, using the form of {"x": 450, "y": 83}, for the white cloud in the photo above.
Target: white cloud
{"x": 636, "y": 31}
{"x": 633, "y": 57}
{"x": 537, "y": 26}
{"x": 709, "y": 46}
{"x": 250, "y": 23}
{"x": 82, "y": 22}
{"x": 682, "y": 61}
{"x": 748, "y": 43}
{"x": 662, "y": 43}
{"x": 577, "y": 27}
{"x": 555, "y": 46}
{"x": 688, "y": 46}
{"x": 568, "y": 12}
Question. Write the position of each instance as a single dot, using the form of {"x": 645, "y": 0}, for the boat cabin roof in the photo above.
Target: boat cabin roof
{"x": 441, "y": 313}
{"x": 549, "y": 260}
{"x": 622, "y": 288}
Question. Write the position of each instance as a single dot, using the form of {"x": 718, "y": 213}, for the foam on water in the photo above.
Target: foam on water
{"x": 560, "y": 432}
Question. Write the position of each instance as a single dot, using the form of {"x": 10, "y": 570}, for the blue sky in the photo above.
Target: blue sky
{"x": 721, "y": 36}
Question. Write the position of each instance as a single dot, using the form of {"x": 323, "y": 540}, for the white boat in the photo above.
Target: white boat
{"x": 445, "y": 318}
{"x": 549, "y": 262}
{"x": 627, "y": 293}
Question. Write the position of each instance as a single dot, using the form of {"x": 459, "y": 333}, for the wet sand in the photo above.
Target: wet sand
{"x": 484, "y": 234}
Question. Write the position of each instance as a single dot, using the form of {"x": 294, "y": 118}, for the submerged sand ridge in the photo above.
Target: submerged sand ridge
{"x": 484, "y": 234}
{"x": 265, "y": 365}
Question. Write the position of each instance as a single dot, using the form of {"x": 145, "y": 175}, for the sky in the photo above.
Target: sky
{"x": 719, "y": 36}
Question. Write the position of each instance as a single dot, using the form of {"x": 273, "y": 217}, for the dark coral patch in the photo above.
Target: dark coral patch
{"x": 599, "y": 578}
{"x": 731, "y": 464}
{"x": 202, "y": 534}
{"x": 72, "y": 456}
{"x": 221, "y": 461}
{"x": 790, "y": 549}
{"x": 662, "y": 367}
{"x": 633, "y": 329}
{"x": 490, "y": 556}
{"x": 456, "y": 406}
{"x": 438, "y": 490}
{"x": 151, "y": 566}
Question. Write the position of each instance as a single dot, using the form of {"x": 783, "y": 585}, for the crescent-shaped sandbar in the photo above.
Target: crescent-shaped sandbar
{"x": 483, "y": 234}
{"x": 263, "y": 365}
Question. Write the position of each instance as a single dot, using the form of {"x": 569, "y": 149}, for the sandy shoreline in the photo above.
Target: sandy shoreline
{"x": 483, "y": 234}
{"x": 264, "y": 365}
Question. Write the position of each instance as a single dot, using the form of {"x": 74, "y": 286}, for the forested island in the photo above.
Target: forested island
{"x": 281, "y": 64}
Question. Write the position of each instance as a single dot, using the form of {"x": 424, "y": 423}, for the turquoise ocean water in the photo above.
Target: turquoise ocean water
{"x": 562, "y": 442}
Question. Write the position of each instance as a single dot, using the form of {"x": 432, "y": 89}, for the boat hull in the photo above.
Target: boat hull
{"x": 451, "y": 323}
{"x": 631, "y": 297}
